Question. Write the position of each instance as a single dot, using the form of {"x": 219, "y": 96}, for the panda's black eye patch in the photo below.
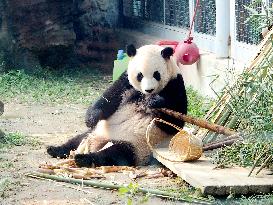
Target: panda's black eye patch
{"x": 157, "y": 76}
{"x": 139, "y": 77}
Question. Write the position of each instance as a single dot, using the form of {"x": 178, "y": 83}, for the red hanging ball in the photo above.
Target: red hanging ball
{"x": 187, "y": 52}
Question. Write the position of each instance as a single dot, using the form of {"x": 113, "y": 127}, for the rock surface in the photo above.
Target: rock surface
{"x": 58, "y": 33}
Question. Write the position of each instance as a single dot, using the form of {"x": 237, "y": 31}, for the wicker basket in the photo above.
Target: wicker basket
{"x": 184, "y": 146}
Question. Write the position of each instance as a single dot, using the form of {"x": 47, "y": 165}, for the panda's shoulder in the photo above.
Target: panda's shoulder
{"x": 122, "y": 88}
{"x": 123, "y": 79}
{"x": 178, "y": 79}
{"x": 122, "y": 83}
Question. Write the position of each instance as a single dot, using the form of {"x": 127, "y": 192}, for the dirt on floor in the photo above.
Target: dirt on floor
{"x": 54, "y": 125}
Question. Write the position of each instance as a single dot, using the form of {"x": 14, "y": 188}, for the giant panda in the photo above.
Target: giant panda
{"x": 123, "y": 112}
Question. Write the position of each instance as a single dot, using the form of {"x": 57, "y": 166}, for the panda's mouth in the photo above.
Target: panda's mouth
{"x": 149, "y": 91}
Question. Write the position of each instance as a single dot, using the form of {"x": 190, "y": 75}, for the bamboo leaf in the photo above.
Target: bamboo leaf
{"x": 129, "y": 201}
{"x": 265, "y": 71}
{"x": 123, "y": 190}
{"x": 262, "y": 26}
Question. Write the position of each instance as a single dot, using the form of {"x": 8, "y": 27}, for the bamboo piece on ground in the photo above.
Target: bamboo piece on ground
{"x": 77, "y": 173}
{"x": 98, "y": 184}
{"x": 68, "y": 161}
{"x": 222, "y": 121}
{"x": 200, "y": 122}
{"x": 46, "y": 171}
{"x": 107, "y": 169}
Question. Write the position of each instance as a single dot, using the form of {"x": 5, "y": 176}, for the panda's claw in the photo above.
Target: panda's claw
{"x": 57, "y": 152}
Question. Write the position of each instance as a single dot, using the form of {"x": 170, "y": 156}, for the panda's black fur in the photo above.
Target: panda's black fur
{"x": 119, "y": 96}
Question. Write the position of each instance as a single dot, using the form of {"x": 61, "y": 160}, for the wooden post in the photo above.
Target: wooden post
{"x": 222, "y": 28}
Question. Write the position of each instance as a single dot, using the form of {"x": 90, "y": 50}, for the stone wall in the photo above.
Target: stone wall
{"x": 58, "y": 33}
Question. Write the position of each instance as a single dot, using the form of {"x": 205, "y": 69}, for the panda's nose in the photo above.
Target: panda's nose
{"x": 149, "y": 91}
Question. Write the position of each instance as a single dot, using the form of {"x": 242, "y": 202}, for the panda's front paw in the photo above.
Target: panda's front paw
{"x": 156, "y": 102}
{"x": 58, "y": 151}
{"x": 93, "y": 117}
{"x": 85, "y": 160}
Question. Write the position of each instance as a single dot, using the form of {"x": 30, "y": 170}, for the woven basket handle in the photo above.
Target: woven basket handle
{"x": 148, "y": 136}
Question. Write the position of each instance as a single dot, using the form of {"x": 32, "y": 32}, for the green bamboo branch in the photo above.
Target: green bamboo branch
{"x": 97, "y": 184}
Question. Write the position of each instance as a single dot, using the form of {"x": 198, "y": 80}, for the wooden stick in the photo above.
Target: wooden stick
{"x": 97, "y": 184}
{"x": 219, "y": 144}
{"x": 199, "y": 122}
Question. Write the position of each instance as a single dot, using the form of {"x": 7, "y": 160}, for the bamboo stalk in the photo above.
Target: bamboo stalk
{"x": 223, "y": 116}
{"x": 199, "y": 122}
{"x": 211, "y": 136}
{"x": 264, "y": 50}
{"x": 264, "y": 164}
{"x": 232, "y": 123}
{"x": 222, "y": 105}
{"x": 1, "y": 107}
{"x": 97, "y": 184}
{"x": 224, "y": 109}
{"x": 208, "y": 137}
{"x": 217, "y": 107}
{"x": 223, "y": 119}
{"x": 256, "y": 162}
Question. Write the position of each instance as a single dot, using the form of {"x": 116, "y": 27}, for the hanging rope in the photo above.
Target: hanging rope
{"x": 192, "y": 22}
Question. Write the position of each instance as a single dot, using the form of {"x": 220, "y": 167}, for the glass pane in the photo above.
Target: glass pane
{"x": 246, "y": 32}
{"x": 177, "y": 13}
{"x": 205, "y": 20}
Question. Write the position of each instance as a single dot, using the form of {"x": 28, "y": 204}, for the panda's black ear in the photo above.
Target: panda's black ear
{"x": 131, "y": 50}
{"x": 167, "y": 52}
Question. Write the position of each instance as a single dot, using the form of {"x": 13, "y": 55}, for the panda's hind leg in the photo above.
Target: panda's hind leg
{"x": 121, "y": 153}
{"x": 91, "y": 143}
{"x": 63, "y": 151}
